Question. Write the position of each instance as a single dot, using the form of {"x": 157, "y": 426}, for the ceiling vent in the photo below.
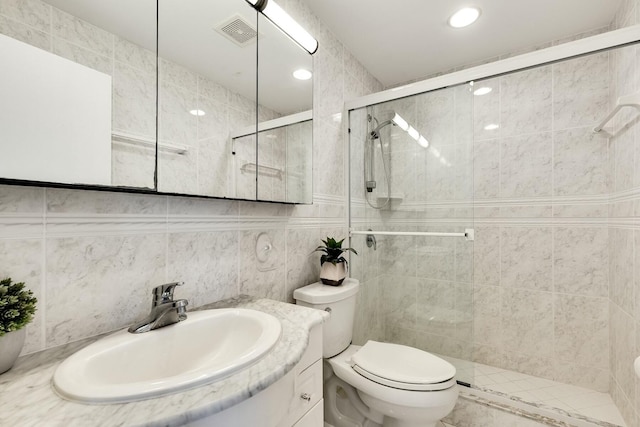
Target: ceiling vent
{"x": 238, "y": 30}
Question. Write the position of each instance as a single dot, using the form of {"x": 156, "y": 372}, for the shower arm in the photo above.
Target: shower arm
{"x": 374, "y": 133}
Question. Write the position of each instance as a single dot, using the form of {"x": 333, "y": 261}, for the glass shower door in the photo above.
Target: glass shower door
{"x": 411, "y": 183}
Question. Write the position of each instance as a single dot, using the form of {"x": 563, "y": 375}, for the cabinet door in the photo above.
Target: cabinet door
{"x": 79, "y": 110}
{"x": 313, "y": 418}
{"x": 307, "y": 393}
{"x": 207, "y": 91}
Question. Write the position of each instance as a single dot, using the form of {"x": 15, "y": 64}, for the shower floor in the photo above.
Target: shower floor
{"x": 573, "y": 400}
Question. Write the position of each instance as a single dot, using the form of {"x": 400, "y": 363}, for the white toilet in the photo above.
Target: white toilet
{"x": 386, "y": 384}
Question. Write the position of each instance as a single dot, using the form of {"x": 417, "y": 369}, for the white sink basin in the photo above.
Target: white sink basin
{"x": 205, "y": 347}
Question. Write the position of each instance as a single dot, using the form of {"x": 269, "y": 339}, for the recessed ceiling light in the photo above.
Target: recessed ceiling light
{"x": 482, "y": 91}
{"x": 463, "y": 17}
{"x": 302, "y": 74}
{"x": 198, "y": 113}
{"x": 491, "y": 126}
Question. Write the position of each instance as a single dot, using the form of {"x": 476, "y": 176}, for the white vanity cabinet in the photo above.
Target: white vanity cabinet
{"x": 295, "y": 400}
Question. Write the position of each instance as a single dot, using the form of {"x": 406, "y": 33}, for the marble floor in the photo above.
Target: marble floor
{"x": 540, "y": 391}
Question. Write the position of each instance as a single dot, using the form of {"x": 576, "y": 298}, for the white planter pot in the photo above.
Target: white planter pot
{"x": 333, "y": 274}
{"x": 10, "y": 348}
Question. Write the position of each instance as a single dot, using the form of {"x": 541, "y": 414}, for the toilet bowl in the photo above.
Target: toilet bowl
{"x": 422, "y": 402}
{"x": 377, "y": 384}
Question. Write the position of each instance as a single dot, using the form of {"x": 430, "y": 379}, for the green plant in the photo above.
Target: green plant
{"x": 17, "y": 306}
{"x": 333, "y": 251}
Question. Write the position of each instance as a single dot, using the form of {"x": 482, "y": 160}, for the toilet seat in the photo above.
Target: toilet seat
{"x": 402, "y": 367}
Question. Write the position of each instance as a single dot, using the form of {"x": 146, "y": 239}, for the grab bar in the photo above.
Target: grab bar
{"x": 469, "y": 233}
{"x": 623, "y": 101}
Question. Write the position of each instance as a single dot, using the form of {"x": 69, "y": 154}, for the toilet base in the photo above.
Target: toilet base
{"x": 394, "y": 422}
{"x": 405, "y": 416}
{"x": 345, "y": 406}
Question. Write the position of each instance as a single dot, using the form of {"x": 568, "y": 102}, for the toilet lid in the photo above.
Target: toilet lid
{"x": 403, "y": 367}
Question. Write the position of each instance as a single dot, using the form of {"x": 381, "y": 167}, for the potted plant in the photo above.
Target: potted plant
{"x": 17, "y": 306}
{"x": 333, "y": 265}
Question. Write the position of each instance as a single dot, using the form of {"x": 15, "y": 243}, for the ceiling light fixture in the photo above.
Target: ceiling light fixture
{"x": 286, "y": 23}
{"x": 198, "y": 113}
{"x": 464, "y": 17}
{"x": 302, "y": 74}
{"x": 482, "y": 91}
{"x": 491, "y": 126}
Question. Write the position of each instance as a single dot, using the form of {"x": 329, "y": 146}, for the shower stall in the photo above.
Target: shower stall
{"x": 479, "y": 208}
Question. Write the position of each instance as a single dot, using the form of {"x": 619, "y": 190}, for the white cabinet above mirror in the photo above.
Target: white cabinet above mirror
{"x": 122, "y": 113}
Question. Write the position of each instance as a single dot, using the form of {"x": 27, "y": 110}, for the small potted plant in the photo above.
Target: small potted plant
{"x": 333, "y": 265}
{"x": 17, "y": 306}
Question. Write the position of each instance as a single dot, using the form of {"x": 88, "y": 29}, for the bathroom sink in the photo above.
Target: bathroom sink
{"x": 206, "y": 347}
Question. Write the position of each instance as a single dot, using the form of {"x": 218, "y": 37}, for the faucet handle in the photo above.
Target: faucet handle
{"x": 164, "y": 293}
{"x": 181, "y": 308}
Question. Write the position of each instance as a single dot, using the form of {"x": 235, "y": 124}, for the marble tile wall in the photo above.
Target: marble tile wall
{"x": 541, "y": 185}
{"x": 624, "y": 225}
{"x": 92, "y": 258}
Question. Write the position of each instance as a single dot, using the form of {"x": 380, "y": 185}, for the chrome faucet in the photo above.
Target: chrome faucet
{"x": 164, "y": 310}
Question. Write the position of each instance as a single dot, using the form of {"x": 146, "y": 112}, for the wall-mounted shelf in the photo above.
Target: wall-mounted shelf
{"x": 141, "y": 141}
{"x": 393, "y": 198}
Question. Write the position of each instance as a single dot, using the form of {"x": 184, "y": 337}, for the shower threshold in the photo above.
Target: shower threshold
{"x": 537, "y": 397}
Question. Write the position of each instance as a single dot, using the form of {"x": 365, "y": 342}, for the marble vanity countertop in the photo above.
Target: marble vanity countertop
{"x": 27, "y": 397}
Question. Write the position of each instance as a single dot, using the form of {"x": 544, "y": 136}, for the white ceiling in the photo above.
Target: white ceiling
{"x": 403, "y": 40}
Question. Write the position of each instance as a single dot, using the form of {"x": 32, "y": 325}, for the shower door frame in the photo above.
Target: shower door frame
{"x": 586, "y": 46}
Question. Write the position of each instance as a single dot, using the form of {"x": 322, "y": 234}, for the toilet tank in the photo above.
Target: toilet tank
{"x": 340, "y": 302}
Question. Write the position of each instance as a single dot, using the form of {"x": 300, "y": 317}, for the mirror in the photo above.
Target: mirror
{"x": 208, "y": 104}
{"x": 81, "y": 79}
{"x": 285, "y": 95}
{"x": 208, "y": 81}
{"x": 102, "y": 92}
